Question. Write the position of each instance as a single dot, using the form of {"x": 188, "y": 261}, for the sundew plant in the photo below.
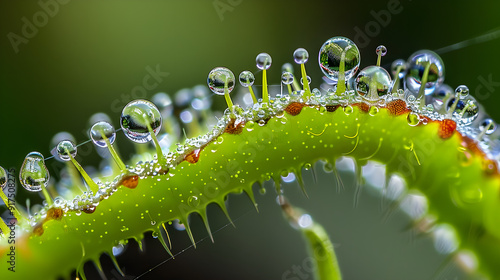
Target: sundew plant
{"x": 393, "y": 136}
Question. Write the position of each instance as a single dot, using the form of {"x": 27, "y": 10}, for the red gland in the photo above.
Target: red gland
{"x": 54, "y": 214}
{"x": 193, "y": 156}
{"x": 397, "y": 107}
{"x": 130, "y": 181}
{"x": 294, "y": 108}
{"x": 446, "y": 128}
{"x": 331, "y": 108}
{"x": 233, "y": 127}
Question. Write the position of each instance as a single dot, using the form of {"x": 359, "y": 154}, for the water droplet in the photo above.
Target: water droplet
{"x": 394, "y": 68}
{"x": 66, "y": 148}
{"x": 155, "y": 234}
{"x": 328, "y": 167}
{"x": 466, "y": 111}
{"x": 102, "y": 128}
{"x": 263, "y": 61}
{"x": 136, "y": 117}
{"x": 3, "y": 178}
{"x": 462, "y": 91}
{"x": 487, "y": 124}
{"x": 307, "y": 166}
{"x": 220, "y": 139}
{"x": 439, "y": 96}
{"x": 381, "y": 50}
{"x": 373, "y": 110}
{"x": 246, "y": 78}
{"x": 218, "y": 78}
{"x": 300, "y": 56}
{"x": 316, "y": 92}
{"x": 372, "y": 83}
{"x": 249, "y": 125}
{"x": 193, "y": 201}
{"x": 262, "y": 191}
{"x": 416, "y": 68}
{"x": 242, "y": 181}
{"x": 413, "y": 119}
{"x": 348, "y": 109}
{"x": 34, "y": 174}
{"x": 308, "y": 80}
{"x": 331, "y": 54}
{"x": 287, "y": 78}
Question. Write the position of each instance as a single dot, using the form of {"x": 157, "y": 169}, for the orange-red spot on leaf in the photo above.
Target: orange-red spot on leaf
{"x": 294, "y": 108}
{"x": 446, "y": 128}
{"x": 331, "y": 108}
{"x": 397, "y": 107}
{"x": 233, "y": 127}
{"x": 130, "y": 181}
{"x": 38, "y": 229}
{"x": 193, "y": 156}
{"x": 363, "y": 107}
{"x": 54, "y": 214}
{"x": 89, "y": 209}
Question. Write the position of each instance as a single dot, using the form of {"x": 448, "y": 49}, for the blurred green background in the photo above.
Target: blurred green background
{"x": 88, "y": 56}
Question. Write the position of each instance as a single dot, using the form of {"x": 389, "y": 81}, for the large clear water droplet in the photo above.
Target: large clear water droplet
{"x": 416, "y": 68}
{"x": 300, "y": 56}
{"x": 34, "y": 174}
{"x": 136, "y": 117}
{"x": 263, "y": 61}
{"x": 66, "y": 149}
{"x": 219, "y": 78}
{"x": 330, "y": 56}
{"x": 287, "y": 78}
{"x": 3, "y": 178}
{"x": 246, "y": 78}
{"x": 102, "y": 128}
{"x": 373, "y": 82}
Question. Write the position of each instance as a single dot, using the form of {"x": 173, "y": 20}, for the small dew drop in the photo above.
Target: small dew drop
{"x": 287, "y": 78}
{"x": 100, "y": 130}
{"x": 373, "y": 110}
{"x": 250, "y": 125}
{"x": 246, "y": 78}
{"x": 34, "y": 174}
{"x": 263, "y": 61}
{"x": 413, "y": 119}
{"x": 307, "y": 166}
{"x": 381, "y": 50}
{"x": 487, "y": 124}
{"x": 300, "y": 56}
{"x": 136, "y": 117}
{"x": 193, "y": 201}
{"x": 66, "y": 149}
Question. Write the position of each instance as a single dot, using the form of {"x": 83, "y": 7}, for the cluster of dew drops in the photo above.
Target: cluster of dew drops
{"x": 419, "y": 81}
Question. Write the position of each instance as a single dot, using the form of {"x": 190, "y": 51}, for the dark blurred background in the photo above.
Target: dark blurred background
{"x": 62, "y": 62}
